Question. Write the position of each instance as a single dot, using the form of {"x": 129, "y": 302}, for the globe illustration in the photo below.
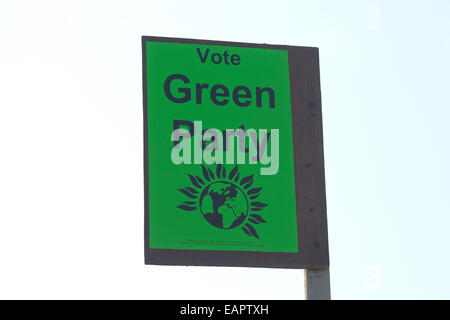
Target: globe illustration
{"x": 224, "y": 205}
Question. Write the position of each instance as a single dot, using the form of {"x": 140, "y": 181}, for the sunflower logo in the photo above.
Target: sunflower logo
{"x": 226, "y": 202}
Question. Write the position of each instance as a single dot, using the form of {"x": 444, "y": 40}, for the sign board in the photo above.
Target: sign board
{"x": 233, "y": 155}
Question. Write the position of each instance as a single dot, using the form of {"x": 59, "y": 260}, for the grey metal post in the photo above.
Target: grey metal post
{"x": 317, "y": 284}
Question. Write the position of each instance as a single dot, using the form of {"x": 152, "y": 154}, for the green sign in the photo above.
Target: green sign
{"x": 219, "y": 149}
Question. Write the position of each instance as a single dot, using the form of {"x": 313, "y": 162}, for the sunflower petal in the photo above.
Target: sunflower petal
{"x": 233, "y": 173}
{"x": 186, "y": 208}
{"x": 194, "y": 181}
{"x": 205, "y": 173}
{"x": 254, "y": 190}
{"x": 246, "y": 231}
{"x": 211, "y": 174}
{"x": 258, "y": 217}
{"x": 252, "y": 230}
{"x": 187, "y": 193}
{"x": 191, "y": 190}
{"x": 199, "y": 180}
{"x": 219, "y": 170}
{"x": 248, "y": 185}
{"x": 259, "y": 204}
{"x": 246, "y": 179}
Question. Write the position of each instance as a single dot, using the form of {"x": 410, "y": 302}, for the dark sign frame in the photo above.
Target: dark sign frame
{"x": 308, "y": 167}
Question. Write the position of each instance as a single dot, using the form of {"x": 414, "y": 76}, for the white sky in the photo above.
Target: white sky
{"x": 71, "y": 180}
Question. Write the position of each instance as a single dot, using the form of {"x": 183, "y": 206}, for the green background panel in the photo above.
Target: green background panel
{"x": 173, "y": 228}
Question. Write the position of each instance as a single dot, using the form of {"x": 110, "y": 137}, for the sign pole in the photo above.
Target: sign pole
{"x": 317, "y": 284}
